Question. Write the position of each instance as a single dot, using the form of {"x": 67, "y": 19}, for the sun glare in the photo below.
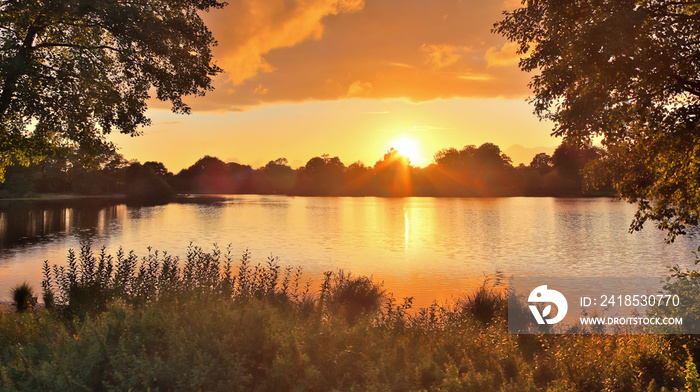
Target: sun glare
{"x": 409, "y": 148}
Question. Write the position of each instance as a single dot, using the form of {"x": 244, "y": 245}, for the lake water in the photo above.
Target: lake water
{"x": 429, "y": 248}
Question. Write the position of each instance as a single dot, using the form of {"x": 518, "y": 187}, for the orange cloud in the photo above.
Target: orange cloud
{"x": 359, "y": 88}
{"x": 247, "y": 30}
{"x": 280, "y": 51}
{"x": 475, "y": 76}
{"x": 505, "y": 56}
{"x": 442, "y": 55}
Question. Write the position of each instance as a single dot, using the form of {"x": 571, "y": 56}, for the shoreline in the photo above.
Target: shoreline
{"x": 61, "y": 197}
{"x": 185, "y": 197}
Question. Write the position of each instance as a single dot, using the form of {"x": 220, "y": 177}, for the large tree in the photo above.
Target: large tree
{"x": 629, "y": 71}
{"x": 71, "y": 71}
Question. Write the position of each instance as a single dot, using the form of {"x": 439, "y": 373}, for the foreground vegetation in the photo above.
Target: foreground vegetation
{"x": 209, "y": 323}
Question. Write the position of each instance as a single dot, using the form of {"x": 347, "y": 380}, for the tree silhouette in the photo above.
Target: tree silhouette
{"x": 568, "y": 163}
{"x": 542, "y": 163}
{"x": 71, "y": 71}
{"x": 321, "y": 176}
{"x": 157, "y": 168}
{"x": 145, "y": 184}
{"x": 358, "y": 179}
{"x": 276, "y": 177}
{"x": 473, "y": 171}
{"x": 207, "y": 175}
{"x": 392, "y": 175}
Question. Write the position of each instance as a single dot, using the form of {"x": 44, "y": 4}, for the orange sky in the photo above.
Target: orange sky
{"x": 351, "y": 78}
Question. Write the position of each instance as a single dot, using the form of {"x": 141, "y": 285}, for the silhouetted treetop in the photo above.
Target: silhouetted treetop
{"x": 470, "y": 158}
{"x": 71, "y": 71}
{"x": 541, "y": 162}
{"x": 157, "y": 168}
{"x": 207, "y": 164}
{"x": 392, "y": 156}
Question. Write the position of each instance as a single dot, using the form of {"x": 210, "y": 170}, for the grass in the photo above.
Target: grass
{"x": 23, "y": 297}
{"x": 214, "y": 323}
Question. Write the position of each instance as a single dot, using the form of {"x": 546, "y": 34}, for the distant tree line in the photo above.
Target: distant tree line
{"x": 472, "y": 171}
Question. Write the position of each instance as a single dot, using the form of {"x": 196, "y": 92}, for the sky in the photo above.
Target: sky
{"x": 351, "y": 78}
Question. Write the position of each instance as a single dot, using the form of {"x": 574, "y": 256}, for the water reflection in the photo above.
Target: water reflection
{"x": 423, "y": 247}
{"x": 26, "y": 223}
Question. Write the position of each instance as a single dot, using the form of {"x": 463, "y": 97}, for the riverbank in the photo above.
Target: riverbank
{"x": 180, "y": 198}
{"x": 64, "y": 197}
{"x": 185, "y": 197}
{"x": 272, "y": 343}
{"x": 126, "y": 323}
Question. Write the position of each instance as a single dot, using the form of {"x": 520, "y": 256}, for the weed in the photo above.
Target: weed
{"x": 23, "y": 297}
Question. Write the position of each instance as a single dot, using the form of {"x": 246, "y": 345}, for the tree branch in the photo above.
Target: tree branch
{"x": 687, "y": 85}
{"x": 16, "y": 69}
{"x": 74, "y": 46}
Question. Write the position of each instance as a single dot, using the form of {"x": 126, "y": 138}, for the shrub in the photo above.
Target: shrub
{"x": 351, "y": 295}
{"x": 23, "y": 297}
{"x": 486, "y": 303}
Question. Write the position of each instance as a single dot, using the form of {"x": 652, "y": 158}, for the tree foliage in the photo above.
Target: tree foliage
{"x": 71, "y": 71}
{"x": 628, "y": 71}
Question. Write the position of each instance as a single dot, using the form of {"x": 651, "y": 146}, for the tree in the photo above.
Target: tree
{"x": 568, "y": 163}
{"x": 392, "y": 175}
{"x": 157, "y": 168}
{"x": 277, "y": 176}
{"x": 71, "y": 71}
{"x": 143, "y": 183}
{"x": 629, "y": 71}
{"x": 321, "y": 176}
{"x": 542, "y": 163}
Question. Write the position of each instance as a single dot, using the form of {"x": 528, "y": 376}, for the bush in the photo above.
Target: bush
{"x": 23, "y": 297}
{"x": 486, "y": 304}
{"x": 351, "y": 295}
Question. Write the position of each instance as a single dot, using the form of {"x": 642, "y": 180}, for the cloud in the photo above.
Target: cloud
{"x": 359, "y": 88}
{"x": 442, "y": 55}
{"x": 475, "y": 76}
{"x": 247, "y": 30}
{"x": 279, "y": 51}
{"x": 505, "y": 56}
{"x": 260, "y": 90}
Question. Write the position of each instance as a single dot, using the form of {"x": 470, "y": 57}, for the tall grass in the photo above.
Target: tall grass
{"x": 23, "y": 297}
{"x": 89, "y": 282}
{"x": 213, "y": 323}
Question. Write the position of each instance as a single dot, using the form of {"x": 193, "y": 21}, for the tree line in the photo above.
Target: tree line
{"x": 483, "y": 171}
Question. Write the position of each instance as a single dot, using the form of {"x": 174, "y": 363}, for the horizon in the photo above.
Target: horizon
{"x": 408, "y": 143}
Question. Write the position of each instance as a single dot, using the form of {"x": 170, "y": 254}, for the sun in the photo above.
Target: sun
{"x": 410, "y": 148}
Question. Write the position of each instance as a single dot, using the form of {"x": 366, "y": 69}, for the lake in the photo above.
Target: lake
{"x": 428, "y": 248}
